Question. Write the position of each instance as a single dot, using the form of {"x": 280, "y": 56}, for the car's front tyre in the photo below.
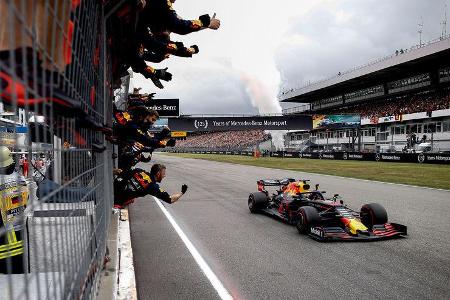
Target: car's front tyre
{"x": 373, "y": 214}
{"x": 307, "y": 217}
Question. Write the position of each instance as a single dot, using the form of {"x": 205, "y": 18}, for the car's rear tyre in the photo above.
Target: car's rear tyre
{"x": 307, "y": 217}
{"x": 256, "y": 201}
{"x": 373, "y": 214}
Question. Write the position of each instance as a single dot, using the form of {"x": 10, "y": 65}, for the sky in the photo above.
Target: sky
{"x": 263, "y": 47}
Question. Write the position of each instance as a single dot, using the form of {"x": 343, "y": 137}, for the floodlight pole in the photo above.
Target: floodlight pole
{"x": 444, "y": 23}
{"x": 420, "y": 31}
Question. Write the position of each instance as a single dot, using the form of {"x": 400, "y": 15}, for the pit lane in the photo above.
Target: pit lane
{"x": 257, "y": 257}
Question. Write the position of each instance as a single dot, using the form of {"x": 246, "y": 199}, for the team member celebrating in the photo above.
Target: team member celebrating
{"x": 139, "y": 183}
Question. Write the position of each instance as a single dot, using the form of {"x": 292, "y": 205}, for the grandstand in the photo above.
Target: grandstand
{"x": 403, "y": 100}
{"x": 223, "y": 140}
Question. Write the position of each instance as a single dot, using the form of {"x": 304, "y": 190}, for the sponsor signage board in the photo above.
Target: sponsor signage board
{"x": 358, "y": 156}
{"x": 327, "y": 156}
{"x": 178, "y": 134}
{"x": 433, "y": 158}
{"x": 166, "y": 107}
{"x": 336, "y": 121}
{"x": 381, "y": 120}
{"x": 396, "y": 157}
{"x": 301, "y": 122}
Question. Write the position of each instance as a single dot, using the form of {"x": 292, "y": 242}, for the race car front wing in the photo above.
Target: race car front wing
{"x": 378, "y": 232}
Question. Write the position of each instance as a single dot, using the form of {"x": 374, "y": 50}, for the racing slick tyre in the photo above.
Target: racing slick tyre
{"x": 256, "y": 201}
{"x": 373, "y": 214}
{"x": 307, "y": 217}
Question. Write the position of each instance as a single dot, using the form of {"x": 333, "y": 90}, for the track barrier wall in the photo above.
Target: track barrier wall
{"x": 431, "y": 158}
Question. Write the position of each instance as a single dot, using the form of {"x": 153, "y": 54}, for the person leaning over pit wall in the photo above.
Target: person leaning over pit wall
{"x": 133, "y": 153}
{"x": 137, "y": 99}
{"x": 131, "y": 128}
{"x": 132, "y": 125}
{"x": 158, "y": 47}
{"x": 160, "y": 16}
{"x": 134, "y": 57}
{"x": 137, "y": 183}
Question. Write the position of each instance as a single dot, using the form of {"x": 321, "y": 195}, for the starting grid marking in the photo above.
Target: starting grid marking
{"x": 215, "y": 282}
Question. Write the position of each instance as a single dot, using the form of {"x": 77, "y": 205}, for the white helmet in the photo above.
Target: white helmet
{"x": 5, "y": 157}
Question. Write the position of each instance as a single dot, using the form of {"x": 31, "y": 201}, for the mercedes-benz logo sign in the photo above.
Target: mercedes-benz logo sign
{"x": 201, "y": 124}
{"x": 421, "y": 158}
{"x": 377, "y": 156}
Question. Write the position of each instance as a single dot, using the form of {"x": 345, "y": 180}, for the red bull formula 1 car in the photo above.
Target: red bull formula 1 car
{"x": 324, "y": 219}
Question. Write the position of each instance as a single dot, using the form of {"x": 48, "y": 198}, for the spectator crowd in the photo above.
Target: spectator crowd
{"x": 224, "y": 140}
{"x": 400, "y": 106}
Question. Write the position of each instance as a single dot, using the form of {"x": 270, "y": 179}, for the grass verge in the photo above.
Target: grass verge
{"x": 427, "y": 175}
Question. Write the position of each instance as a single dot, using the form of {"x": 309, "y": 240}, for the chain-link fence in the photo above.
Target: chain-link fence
{"x": 56, "y": 193}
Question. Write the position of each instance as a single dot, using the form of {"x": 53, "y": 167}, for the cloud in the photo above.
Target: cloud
{"x": 204, "y": 87}
{"x": 340, "y": 35}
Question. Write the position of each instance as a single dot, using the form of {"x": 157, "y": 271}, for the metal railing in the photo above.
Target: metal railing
{"x": 54, "y": 68}
{"x": 297, "y": 109}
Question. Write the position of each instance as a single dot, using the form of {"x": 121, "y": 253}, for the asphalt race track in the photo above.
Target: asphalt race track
{"x": 257, "y": 257}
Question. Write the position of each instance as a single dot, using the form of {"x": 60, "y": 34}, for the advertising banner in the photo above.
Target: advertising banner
{"x": 166, "y": 107}
{"x": 178, "y": 134}
{"x": 434, "y": 158}
{"x": 277, "y": 154}
{"x": 431, "y": 158}
{"x": 380, "y": 120}
{"x": 358, "y": 156}
{"x": 336, "y": 121}
{"x": 241, "y": 123}
{"x": 314, "y": 155}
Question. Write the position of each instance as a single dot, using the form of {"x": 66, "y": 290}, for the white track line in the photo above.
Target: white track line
{"x": 218, "y": 286}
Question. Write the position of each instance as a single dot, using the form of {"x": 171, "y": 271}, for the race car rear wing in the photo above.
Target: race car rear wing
{"x": 275, "y": 182}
